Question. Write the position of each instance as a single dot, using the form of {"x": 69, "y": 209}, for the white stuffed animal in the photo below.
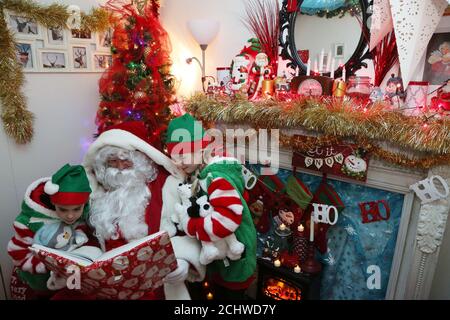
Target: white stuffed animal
{"x": 217, "y": 250}
{"x": 185, "y": 192}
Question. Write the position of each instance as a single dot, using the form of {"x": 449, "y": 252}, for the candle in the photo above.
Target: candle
{"x": 343, "y": 73}
{"x": 311, "y": 231}
{"x": 315, "y": 66}
{"x": 308, "y": 69}
{"x": 209, "y": 296}
{"x": 300, "y": 228}
{"x": 332, "y": 68}
{"x": 282, "y": 227}
{"x": 277, "y": 263}
{"x": 322, "y": 53}
{"x": 329, "y": 62}
{"x": 297, "y": 269}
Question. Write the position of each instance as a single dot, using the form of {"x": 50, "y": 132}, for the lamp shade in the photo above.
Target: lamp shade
{"x": 204, "y": 31}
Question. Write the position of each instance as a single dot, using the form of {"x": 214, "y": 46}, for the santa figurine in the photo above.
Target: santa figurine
{"x": 394, "y": 93}
{"x": 134, "y": 189}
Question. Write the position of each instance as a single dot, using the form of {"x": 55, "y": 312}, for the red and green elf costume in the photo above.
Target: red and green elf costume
{"x": 68, "y": 186}
{"x": 222, "y": 180}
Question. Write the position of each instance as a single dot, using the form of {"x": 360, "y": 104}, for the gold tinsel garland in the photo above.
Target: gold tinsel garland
{"x": 17, "y": 120}
{"x": 336, "y": 119}
{"x": 330, "y": 117}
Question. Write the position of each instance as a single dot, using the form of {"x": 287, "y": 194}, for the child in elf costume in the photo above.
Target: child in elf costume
{"x": 221, "y": 179}
{"x": 53, "y": 214}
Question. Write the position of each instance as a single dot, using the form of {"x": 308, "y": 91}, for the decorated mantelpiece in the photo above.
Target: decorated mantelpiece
{"x": 384, "y": 223}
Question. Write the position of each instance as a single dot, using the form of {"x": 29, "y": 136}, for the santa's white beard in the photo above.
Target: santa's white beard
{"x": 122, "y": 207}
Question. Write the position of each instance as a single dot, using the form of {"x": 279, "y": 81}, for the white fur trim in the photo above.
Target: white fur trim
{"x": 189, "y": 249}
{"x": 220, "y": 158}
{"x": 51, "y": 188}
{"x": 126, "y": 140}
{"x": 236, "y": 208}
{"x": 170, "y": 197}
{"x": 34, "y": 205}
{"x": 177, "y": 291}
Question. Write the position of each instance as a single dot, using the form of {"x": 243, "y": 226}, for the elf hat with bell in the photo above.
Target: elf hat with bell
{"x": 185, "y": 134}
{"x": 68, "y": 186}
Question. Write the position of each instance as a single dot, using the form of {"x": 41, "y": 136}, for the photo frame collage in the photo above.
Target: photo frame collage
{"x": 40, "y": 49}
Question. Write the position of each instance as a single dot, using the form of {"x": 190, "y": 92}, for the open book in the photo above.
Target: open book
{"x": 126, "y": 272}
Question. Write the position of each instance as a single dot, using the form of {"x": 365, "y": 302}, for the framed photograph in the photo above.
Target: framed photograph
{"x": 55, "y": 38}
{"x": 23, "y": 27}
{"x": 80, "y": 58}
{"x": 81, "y": 36}
{"x": 339, "y": 50}
{"x": 53, "y": 60}
{"x": 26, "y": 55}
{"x": 104, "y": 40}
{"x": 101, "y": 61}
{"x": 437, "y": 59}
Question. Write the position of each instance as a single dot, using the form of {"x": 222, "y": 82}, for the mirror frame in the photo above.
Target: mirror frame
{"x": 289, "y": 49}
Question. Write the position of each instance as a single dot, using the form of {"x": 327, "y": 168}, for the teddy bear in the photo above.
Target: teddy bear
{"x": 217, "y": 250}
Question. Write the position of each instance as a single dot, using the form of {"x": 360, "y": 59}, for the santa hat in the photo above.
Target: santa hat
{"x": 68, "y": 186}
{"x": 131, "y": 135}
{"x": 186, "y": 134}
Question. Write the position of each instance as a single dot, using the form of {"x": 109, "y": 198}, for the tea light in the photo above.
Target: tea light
{"x": 297, "y": 269}
{"x": 209, "y": 296}
{"x": 277, "y": 263}
{"x": 282, "y": 227}
{"x": 301, "y": 228}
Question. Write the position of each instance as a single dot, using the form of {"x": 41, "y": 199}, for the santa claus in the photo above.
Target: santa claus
{"x": 134, "y": 191}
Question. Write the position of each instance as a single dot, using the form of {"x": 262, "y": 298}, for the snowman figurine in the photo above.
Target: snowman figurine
{"x": 354, "y": 165}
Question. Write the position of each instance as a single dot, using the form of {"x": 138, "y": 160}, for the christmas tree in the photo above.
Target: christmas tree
{"x": 138, "y": 85}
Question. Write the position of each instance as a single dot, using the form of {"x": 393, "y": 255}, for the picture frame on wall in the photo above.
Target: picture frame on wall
{"x": 104, "y": 40}
{"x": 53, "y": 60}
{"x": 55, "y": 38}
{"x": 26, "y": 55}
{"x": 22, "y": 27}
{"x": 80, "y": 58}
{"x": 339, "y": 50}
{"x": 101, "y": 61}
{"x": 81, "y": 36}
{"x": 437, "y": 59}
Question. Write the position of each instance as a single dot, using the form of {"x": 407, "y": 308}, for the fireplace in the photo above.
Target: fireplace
{"x": 279, "y": 283}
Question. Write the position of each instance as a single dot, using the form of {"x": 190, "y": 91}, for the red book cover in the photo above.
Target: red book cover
{"x": 126, "y": 272}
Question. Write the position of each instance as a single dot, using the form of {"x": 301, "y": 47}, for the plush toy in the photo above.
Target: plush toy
{"x": 217, "y": 250}
{"x": 188, "y": 204}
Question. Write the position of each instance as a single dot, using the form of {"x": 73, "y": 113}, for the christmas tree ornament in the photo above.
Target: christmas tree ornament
{"x": 428, "y": 191}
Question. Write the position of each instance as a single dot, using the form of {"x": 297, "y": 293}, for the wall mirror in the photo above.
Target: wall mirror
{"x": 323, "y": 30}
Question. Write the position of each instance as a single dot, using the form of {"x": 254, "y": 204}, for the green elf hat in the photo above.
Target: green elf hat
{"x": 68, "y": 186}
{"x": 185, "y": 134}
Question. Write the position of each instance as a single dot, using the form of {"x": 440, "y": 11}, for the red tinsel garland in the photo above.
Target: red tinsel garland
{"x": 385, "y": 55}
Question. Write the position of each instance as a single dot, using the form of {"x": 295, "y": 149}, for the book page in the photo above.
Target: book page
{"x": 127, "y": 247}
{"x": 88, "y": 252}
{"x": 82, "y": 261}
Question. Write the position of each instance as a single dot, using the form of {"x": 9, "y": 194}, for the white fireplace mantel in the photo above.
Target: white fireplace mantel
{"x": 421, "y": 227}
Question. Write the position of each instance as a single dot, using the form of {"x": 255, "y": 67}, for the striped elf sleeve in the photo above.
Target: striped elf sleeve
{"x": 226, "y": 215}
{"x": 18, "y": 249}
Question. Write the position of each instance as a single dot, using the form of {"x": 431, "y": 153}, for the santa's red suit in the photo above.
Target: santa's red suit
{"x": 164, "y": 195}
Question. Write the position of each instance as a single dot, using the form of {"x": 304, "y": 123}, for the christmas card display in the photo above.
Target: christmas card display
{"x": 126, "y": 272}
{"x": 341, "y": 159}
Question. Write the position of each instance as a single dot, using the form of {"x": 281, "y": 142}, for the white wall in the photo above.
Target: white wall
{"x": 65, "y": 107}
